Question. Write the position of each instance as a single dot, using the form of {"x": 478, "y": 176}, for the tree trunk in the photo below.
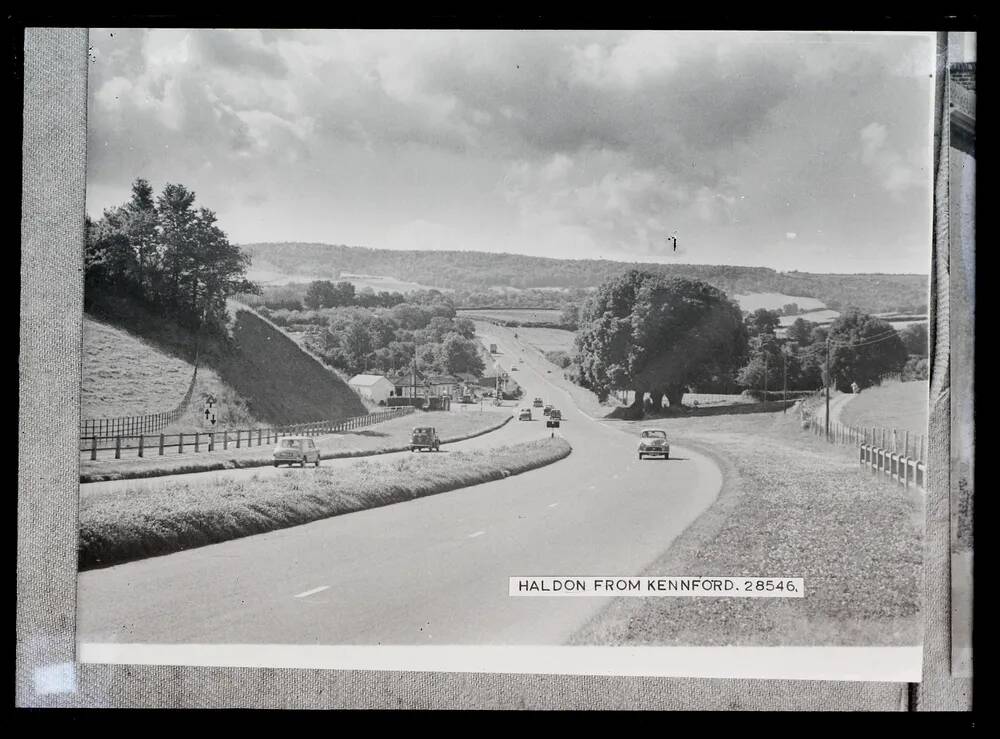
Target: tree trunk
{"x": 656, "y": 397}
{"x": 636, "y": 410}
{"x": 675, "y": 394}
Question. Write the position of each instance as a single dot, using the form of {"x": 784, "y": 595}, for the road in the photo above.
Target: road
{"x": 430, "y": 571}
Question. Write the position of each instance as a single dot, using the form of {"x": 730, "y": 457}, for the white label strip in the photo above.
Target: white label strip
{"x": 657, "y": 587}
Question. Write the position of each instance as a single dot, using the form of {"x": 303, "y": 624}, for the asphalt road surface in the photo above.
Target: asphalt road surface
{"x": 430, "y": 571}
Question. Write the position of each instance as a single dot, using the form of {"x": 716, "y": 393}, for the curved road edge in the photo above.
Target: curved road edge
{"x": 606, "y": 627}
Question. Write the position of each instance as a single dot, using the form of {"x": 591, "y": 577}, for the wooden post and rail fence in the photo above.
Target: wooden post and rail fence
{"x": 196, "y": 441}
{"x": 892, "y": 454}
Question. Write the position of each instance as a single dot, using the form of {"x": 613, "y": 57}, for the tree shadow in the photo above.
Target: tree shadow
{"x": 366, "y": 432}
{"x": 626, "y": 413}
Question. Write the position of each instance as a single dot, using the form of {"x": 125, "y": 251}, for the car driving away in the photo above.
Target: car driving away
{"x": 524, "y": 414}
{"x": 296, "y": 450}
{"x": 653, "y": 443}
{"x": 538, "y": 403}
{"x": 425, "y": 437}
{"x": 547, "y": 410}
{"x": 555, "y": 418}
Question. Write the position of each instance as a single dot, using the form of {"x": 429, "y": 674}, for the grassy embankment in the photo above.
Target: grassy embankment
{"x": 123, "y": 375}
{"x": 389, "y": 436}
{"x": 124, "y": 525}
{"x": 269, "y": 377}
{"x": 791, "y": 506}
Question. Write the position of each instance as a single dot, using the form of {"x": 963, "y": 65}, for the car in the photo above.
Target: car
{"x": 295, "y": 450}
{"x": 538, "y": 403}
{"x": 513, "y": 369}
{"x": 555, "y": 418}
{"x": 425, "y": 437}
{"x": 654, "y": 443}
{"x": 547, "y": 410}
{"x": 524, "y": 414}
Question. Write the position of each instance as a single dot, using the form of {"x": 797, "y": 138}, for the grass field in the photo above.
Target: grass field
{"x": 124, "y": 525}
{"x": 526, "y": 315}
{"x": 547, "y": 339}
{"x": 393, "y": 435}
{"x": 817, "y": 316}
{"x": 898, "y": 405}
{"x": 773, "y": 301}
{"x": 791, "y": 506}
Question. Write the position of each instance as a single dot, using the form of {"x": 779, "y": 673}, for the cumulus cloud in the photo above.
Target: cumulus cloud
{"x": 600, "y": 140}
{"x": 893, "y": 171}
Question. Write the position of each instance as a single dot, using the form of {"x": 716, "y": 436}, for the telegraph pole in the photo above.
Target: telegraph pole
{"x": 828, "y": 388}
{"x": 784, "y": 381}
{"x": 765, "y": 373}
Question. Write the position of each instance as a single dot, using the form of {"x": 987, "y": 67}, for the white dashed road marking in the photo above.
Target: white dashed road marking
{"x": 553, "y": 505}
{"x": 478, "y": 533}
{"x": 306, "y": 594}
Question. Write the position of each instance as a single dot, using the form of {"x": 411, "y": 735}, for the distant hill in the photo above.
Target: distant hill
{"x": 136, "y": 362}
{"x": 471, "y": 270}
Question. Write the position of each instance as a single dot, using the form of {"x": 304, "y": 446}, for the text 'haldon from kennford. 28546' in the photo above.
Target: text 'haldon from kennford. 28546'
{"x": 658, "y": 586}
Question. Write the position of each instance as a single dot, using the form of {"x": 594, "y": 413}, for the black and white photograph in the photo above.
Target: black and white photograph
{"x": 566, "y": 352}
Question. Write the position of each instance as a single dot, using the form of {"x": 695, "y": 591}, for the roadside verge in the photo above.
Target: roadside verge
{"x": 369, "y": 443}
{"x": 132, "y": 524}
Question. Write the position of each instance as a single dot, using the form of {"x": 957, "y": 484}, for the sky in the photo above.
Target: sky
{"x": 795, "y": 151}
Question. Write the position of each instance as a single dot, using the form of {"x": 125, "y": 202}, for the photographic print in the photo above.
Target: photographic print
{"x": 598, "y": 352}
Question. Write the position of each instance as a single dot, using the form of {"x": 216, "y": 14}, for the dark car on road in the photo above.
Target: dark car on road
{"x": 555, "y": 418}
{"x": 425, "y": 437}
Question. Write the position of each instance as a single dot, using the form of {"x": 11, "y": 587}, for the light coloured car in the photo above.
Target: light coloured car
{"x": 538, "y": 403}
{"x": 524, "y": 414}
{"x": 654, "y": 443}
{"x": 298, "y": 450}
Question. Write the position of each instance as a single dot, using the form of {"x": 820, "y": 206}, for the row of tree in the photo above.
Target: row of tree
{"x": 166, "y": 252}
{"x": 666, "y": 336}
{"x": 388, "y": 340}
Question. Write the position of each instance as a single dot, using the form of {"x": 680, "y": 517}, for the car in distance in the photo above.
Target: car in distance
{"x": 654, "y": 443}
{"x": 555, "y": 418}
{"x": 547, "y": 409}
{"x": 425, "y": 437}
{"x": 538, "y": 403}
{"x": 295, "y": 450}
{"x": 524, "y": 414}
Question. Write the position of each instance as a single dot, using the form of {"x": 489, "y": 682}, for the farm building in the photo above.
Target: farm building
{"x": 375, "y": 388}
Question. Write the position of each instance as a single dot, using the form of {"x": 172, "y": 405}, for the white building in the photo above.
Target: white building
{"x": 375, "y": 388}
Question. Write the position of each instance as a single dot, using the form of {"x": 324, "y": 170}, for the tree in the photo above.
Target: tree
{"x": 321, "y": 294}
{"x": 800, "y": 332}
{"x": 766, "y": 367}
{"x": 862, "y": 349}
{"x": 649, "y": 333}
{"x": 790, "y": 309}
{"x": 357, "y": 345}
{"x": 457, "y": 354}
{"x": 915, "y": 340}
{"x": 763, "y": 321}
{"x": 570, "y": 316}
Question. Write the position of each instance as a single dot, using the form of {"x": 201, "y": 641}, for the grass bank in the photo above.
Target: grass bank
{"x": 125, "y": 525}
{"x": 390, "y": 436}
{"x": 898, "y": 405}
{"x": 791, "y": 506}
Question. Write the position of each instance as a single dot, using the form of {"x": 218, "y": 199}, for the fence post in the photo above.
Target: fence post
{"x": 196, "y": 441}
{"x": 239, "y": 435}
{"x": 894, "y": 445}
{"x": 118, "y": 447}
{"x": 259, "y": 432}
{"x": 142, "y": 441}
{"x": 180, "y": 443}
{"x": 225, "y": 439}
{"x": 211, "y": 441}
{"x": 161, "y": 444}
{"x": 93, "y": 448}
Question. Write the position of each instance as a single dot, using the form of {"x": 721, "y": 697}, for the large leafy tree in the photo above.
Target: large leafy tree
{"x": 649, "y": 333}
{"x": 863, "y": 348}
